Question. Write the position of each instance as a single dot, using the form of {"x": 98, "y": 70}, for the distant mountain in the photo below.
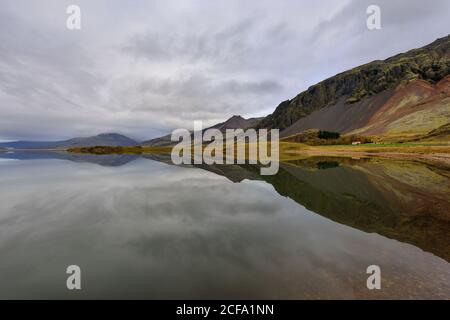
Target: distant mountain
{"x": 404, "y": 96}
{"x": 105, "y": 139}
{"x": 235, "y": 122}
{"x": 159, "y": 142}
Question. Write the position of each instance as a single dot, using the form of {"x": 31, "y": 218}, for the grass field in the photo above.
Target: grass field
{"x": 433, "y": 151}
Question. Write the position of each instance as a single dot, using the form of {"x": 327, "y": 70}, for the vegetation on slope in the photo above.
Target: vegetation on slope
{"x": 316, "y": 137}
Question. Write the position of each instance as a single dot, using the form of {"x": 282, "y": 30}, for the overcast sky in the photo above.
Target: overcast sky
{"x": 142, "y": 68}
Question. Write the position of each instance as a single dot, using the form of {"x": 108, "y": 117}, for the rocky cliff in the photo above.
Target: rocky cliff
{"x": 349, "y": 100}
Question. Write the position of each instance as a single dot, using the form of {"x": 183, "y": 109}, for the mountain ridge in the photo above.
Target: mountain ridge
{"x": 103, "y": 139}
{"x": 335, "y": 103}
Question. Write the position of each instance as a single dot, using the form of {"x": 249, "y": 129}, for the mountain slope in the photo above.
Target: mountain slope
{"x": 105, "y": 139}
{"x": 441, "y": 133}
{"x": 413, "y": 111}
{"x": 349, "y": 100}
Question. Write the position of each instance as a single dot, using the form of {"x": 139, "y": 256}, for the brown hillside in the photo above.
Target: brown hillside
{"x": 415, "y": 109}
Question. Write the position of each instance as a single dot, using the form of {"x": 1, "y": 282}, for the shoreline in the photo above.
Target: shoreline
{"x": 438, "y": 154}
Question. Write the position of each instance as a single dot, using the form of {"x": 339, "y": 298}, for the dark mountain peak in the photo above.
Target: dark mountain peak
{"x": 236, "y": 122}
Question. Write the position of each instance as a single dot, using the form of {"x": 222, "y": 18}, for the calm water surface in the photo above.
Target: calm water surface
{"x": 142, "y": 228}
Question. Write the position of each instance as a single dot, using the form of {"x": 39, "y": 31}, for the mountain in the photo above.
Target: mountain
{"x": 105, "y": 139}
{"x": 404, "y": 96}
{"x": 235, "y": 122}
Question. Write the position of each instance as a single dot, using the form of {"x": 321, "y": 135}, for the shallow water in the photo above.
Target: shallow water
{"x": 142, "y": 228}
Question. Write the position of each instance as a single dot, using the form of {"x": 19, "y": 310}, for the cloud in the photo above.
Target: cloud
{"x": 345, "y": 35}
{"x": 146, "y": 67}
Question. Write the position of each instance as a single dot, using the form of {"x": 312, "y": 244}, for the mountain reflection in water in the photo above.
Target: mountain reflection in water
{"x": 186, "y": 232}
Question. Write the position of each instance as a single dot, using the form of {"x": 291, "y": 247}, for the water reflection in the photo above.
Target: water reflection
{"x": 113, "y": 160}
{"x": 152, "y": 230}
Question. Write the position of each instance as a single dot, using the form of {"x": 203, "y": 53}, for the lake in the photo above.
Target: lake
{"x": 140, "y": 227}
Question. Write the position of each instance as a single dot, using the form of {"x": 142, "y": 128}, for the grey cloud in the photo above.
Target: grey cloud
{"x": 221, "y": 46}
{"x": 196, "y": 97}
{"x": 263, "y": 87}
{"x": 146, "y": 67}
{"x": 406, "y": 24}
